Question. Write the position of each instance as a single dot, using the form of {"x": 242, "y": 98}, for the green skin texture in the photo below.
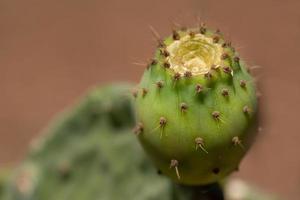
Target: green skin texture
{"x": 176, "y": 140}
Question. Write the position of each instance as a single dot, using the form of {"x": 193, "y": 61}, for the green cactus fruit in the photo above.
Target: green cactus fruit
{"x": 196, "y": 107}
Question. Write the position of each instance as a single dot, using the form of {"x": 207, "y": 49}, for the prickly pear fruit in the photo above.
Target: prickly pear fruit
{"x": 196, "y": 105}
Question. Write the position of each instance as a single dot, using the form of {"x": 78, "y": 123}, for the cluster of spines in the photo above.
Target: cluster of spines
{"x": 232, "y": 61}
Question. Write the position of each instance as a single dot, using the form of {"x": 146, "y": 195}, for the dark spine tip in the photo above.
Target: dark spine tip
{"x": 208, "y": 75}
{"x": 216, "y": 39}
{"x": 224, "y": 56}
{"x": 227, "y": 70}
{"x": 166, "y": 65}
{"x": 144, "y": 92}
{"x": 198, "y": 88}
{"x": 175, "y": 35}
{"x": 202, "y": 28}
{"x": 192, "y": 34}
{"x": 138, "y": 129}
{"x": 153, "y": 62}
{"x": 161, "y": 43}
{"x": 64, "y": 170}
{"x": 148, "y": 66}
{"x": 216, "y": 115}
{"x": 159, "y": 84}
{"x": 162, "y": 122}
{"x": 134, "y": 94}
{"x": 226, "y": 44}
{"x": 164, "y": 52}
{"x": 216, "y": 170}
{"x": 183, "y": 107}
{"x": 243, "y": 83}
{"x": 237, "y": 169}
{"x": 176, "y": 76}
{"x": 188, "y": 74}
{"x": 236, "y": 59}
{"x": 248, "y": 70}
{"x": 225, "y": 92}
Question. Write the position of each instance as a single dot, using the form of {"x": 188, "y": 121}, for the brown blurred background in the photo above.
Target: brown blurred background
{"x": 52, "y": 51}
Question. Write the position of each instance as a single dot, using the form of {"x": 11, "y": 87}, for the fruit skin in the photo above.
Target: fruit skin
{"x": 209, "y": 119}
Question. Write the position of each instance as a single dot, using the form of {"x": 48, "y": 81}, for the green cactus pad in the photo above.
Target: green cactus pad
{"x": 196, "y": 105}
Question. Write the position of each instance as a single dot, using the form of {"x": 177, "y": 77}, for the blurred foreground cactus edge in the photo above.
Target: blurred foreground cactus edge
{"x": 193, "y": 113}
